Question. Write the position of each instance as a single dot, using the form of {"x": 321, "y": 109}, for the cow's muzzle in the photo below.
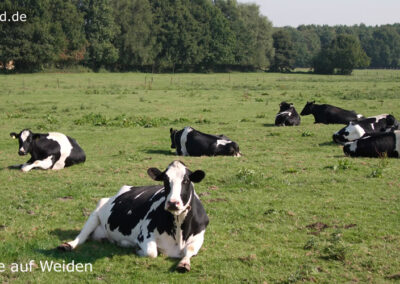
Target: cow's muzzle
{"x": 22, "y": 153}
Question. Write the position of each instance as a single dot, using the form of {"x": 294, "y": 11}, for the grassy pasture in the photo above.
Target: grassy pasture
{"x": 293, "y": 208}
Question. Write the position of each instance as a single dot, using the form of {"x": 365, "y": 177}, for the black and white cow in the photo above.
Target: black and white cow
{"x": 190, "y": 142}
{"x": 52, "y": 150}
{"x": 165, "y": 218}
{"x": 287, "y": 115}
{"x": 329, "y": 114}
{"x": 376, "y": 145}
{"x": 365, "y": 127}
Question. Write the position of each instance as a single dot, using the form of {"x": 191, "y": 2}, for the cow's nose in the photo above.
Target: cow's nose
{"x": 21, "y": 152}
{"x": 173, "y": 205}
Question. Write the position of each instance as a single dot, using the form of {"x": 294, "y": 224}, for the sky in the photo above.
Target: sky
{"x": 329, "y": 12}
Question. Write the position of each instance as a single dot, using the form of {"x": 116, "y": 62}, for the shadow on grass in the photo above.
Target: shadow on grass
{"x": 90, "y": 251}
{"x": 160, "y": 152}
{"x": 328, "y": 143}
{"x": 269, "y": 125}
{"x": 13, "y": 167}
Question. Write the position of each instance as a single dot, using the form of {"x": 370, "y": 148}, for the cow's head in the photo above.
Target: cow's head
{"x": 25, "y": 138}
{"x": 351, "y": 132}
{"x": 172, "y": 133}
{"x": 178, "y": 183}
{"x": 283, "y": 106}
{"x": 308, "y": 108}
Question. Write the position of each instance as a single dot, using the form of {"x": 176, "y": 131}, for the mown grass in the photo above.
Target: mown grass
{"x": 292, "y": 209}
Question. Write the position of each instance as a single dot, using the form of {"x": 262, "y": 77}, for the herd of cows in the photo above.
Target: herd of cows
{"x": 375, "y": 136}
{"x": 170, "y": 218}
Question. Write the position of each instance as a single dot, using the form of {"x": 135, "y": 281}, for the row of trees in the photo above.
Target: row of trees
{"x": 183, "y": 35}
{"x": 380, "y": 43}
{"x": 136, "y": 34}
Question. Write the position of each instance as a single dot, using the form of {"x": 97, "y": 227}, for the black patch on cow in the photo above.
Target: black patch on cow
{"x": 138, "y": 207}
{"x": 161, "y": 220}
{"x": 196, "y": 220}
{"x": 77, "y": 154}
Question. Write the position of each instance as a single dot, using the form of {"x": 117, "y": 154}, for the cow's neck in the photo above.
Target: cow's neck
{"x": 178, "y": 220}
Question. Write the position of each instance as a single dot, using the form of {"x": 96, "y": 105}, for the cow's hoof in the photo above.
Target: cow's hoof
{"x": 64, "y": 247}
{"x": 183, "y": 267}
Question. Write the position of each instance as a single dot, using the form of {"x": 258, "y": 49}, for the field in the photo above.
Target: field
{"x": 292, "y": 209}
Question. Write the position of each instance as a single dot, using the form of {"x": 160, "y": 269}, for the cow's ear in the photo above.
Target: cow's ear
{"x": 313, "y": 102}
{"x": 197, "y": 176}
{"x": 171, "y": 130}
{"x": 13, "y": 135}
{"x": 155, "y": 174}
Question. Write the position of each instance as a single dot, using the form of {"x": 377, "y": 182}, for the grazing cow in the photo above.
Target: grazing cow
{"x": 287, "y": 115}
{"x": 376, "y": 145}
{"x": 329, "y": 114}
{"x": 52, "y": 150}
{"x": 366, "y": 127}
{"x": 190, "y": 142}
{"x": 165, "y": 218}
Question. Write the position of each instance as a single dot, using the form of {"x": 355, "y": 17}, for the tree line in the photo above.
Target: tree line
{"x": 182, "y": 35}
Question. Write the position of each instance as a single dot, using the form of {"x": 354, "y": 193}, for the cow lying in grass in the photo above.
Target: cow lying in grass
{"x": 329, "y": 114}
{"x": 287, "y": 115}
{"x": 190, "y": 142}
{"x": 165, "y": 218}
{"x": 376, "y": 145}
{"x": 52, "y": 150}
{"x": 366, "y": 127}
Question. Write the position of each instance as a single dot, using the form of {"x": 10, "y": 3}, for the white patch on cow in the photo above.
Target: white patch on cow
{"x": 355, "y": 132}
{"x": 359, "y": 115}
{"x": 139, "y": 195}
{"x": 372, "y": 126}
{"x": 129, "y": 212}
{"x": 24, "y": 135}
{"x": 44, "y": 164}
{"x": 289, "y": 113}
{"x": 397, "y": 147}
{"x": 184, "y": 135}
{"x": 65, "y": 148}
{"x": 380, "y": 116}
{"x": 353, "y": 146}
{"x": 22, "y": 149}
{"x": 155, "y": 194}
{"x": 176, "y": 172}
{"x": 223, "y": 142}
{"x": 123, "y": 189}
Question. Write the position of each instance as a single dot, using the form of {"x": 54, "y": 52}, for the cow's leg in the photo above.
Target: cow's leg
{"x": 190, "y": 250}
{"x": 90, "y": 226}
{"x": 148, "y": 248}
{"x": 44, "y": 164}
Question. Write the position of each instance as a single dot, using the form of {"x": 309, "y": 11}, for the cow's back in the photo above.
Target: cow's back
{"x": 126, "y": 216}
{"x": 333, "y": 115}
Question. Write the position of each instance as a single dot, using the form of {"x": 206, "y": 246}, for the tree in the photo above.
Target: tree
{"x": 285, "y": 55}
{"x": 135, "y": 40}
{"x": 100, "y": 31}
{"x": 35, "y": 43}
{"x": 344, "y": 54}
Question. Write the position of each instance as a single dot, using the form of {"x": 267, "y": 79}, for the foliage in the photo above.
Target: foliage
{"x": 285, "y": 53}
{"x": 344, "y": 54}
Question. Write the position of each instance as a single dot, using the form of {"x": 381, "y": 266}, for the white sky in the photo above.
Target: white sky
{"x": 329, "y": 12}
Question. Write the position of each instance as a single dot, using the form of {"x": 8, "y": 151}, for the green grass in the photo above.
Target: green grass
{"x": 292, "y": 209}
